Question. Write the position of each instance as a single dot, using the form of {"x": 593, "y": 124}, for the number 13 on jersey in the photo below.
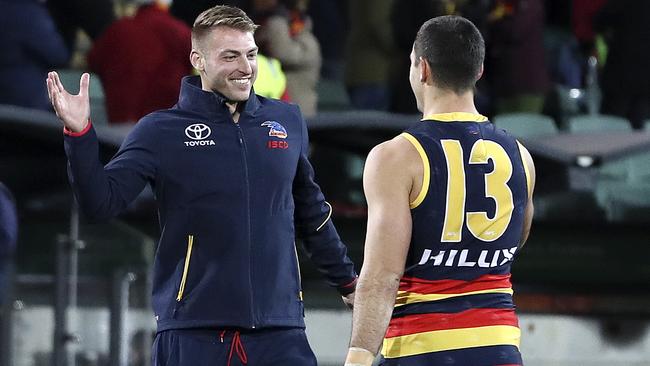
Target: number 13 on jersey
{"x": 479, "y": 224}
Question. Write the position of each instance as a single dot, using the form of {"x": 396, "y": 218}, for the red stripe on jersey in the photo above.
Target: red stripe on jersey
{"x": 472, "y": 318}
{"x": 486, "y": 282}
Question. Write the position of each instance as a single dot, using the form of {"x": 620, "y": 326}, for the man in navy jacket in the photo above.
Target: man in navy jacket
{"x": 230, "y": 172}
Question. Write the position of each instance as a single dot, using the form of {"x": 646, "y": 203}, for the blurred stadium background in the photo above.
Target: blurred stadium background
{"x": 80, "y": 291}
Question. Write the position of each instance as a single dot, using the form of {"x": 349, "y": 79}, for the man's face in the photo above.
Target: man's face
{"x": 414, "y": 79}
{"x": 229, "y": 63}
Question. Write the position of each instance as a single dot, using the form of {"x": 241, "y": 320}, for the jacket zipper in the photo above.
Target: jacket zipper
{"x": 248, "y": 223}
{"x": 186, "y": 268}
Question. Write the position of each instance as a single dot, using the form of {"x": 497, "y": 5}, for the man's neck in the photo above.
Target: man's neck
{"x": 437, "y": 101}
{"x": 232, "y": 108}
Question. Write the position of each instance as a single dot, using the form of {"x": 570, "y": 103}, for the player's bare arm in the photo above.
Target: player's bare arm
{"x": 389, "y": 182}
{"x": 73, "y": 110}
{"x": 530, "y": 209}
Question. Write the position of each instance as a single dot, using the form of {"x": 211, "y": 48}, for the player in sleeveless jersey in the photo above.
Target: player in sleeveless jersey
{"x": 449, "y": 207}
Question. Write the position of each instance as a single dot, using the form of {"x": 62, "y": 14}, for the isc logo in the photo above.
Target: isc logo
{"x": 274, "y": 144}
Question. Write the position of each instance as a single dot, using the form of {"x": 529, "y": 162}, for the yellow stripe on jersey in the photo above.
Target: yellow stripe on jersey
{"x": 406, "y": 297}
{"x": 526, "y": 170}
{"x": 456, "y": 117}
{"x": 452, "y": 227}
{"x": 450, "y": 339}
{"x": 425, "y": 161}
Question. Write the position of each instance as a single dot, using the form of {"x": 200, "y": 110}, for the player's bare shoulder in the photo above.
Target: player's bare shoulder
{"x": 391, "y": 155}
{"x": 397, "y": 153}
{"x": 397, "y": 161}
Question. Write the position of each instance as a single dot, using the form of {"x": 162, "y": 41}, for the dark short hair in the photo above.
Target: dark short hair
{"x": 454, "y": 48}
{"x": 221, "y": 15}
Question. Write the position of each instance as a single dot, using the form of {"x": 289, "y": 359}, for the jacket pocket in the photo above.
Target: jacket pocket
{"x": 186, "y": 268}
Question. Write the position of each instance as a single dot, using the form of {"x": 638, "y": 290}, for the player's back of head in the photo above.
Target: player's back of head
{"x": 454, "y": 48}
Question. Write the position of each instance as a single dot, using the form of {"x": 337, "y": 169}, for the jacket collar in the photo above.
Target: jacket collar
{"x": 211, "y": 104}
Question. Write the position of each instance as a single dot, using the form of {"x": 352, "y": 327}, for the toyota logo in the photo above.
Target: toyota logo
{"x": 197, "y": 131}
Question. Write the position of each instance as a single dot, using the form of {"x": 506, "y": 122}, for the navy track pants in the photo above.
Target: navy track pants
{"x": 203, "y": 347}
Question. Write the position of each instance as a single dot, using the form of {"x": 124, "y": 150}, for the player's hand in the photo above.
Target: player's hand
{"x": 72, "y": 110}
{"x": 348, "y": 300}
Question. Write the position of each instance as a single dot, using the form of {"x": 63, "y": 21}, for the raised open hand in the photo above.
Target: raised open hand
{"x": 73, "y": 110}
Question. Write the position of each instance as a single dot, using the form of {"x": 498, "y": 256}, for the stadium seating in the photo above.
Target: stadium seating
{"x": 617, "y": 170}
{"x": 332, "y": 95}
{"x": 524, "y": 125}
{"x": 570, "y": 205}
{"x": 598, "y": 123}
{"x": 624, "y": 201}
{"x": 646, "y": 125}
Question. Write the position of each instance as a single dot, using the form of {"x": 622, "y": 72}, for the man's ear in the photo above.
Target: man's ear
{"x": 425, "y": 70}
{"x": 197, "y": 60}
{"x": 480, "y": 73}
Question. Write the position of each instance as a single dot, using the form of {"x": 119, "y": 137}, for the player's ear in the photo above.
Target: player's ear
{"x": 197, "y": 60}
{"x": 480, "y": 73}
{"x": 425, "y": 70}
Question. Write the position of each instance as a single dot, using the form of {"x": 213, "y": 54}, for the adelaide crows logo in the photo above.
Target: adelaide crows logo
{"x": 275, "y": 129}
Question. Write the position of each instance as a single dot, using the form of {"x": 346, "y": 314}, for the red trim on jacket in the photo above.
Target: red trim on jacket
{"x": 80, "y": 133}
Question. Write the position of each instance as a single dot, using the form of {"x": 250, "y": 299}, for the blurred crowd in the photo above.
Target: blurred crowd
{"x": 139, "y": 50}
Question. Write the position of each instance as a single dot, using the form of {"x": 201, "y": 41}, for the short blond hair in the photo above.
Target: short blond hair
{"x": 221, "y": 16}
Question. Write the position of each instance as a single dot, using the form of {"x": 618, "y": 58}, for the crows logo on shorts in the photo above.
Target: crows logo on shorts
{"x": 275, "y": 129}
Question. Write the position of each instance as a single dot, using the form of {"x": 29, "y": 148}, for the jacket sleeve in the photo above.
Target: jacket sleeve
{"x": 105, "y": 191}
{"x": 314, "y": 226}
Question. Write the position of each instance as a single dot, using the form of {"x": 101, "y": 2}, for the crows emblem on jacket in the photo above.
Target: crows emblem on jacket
{"x": 275, "y": 129}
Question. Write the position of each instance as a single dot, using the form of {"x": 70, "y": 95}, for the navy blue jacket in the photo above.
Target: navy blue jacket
{"x": 8, "y": 224}
{"x": 232, "y": 197}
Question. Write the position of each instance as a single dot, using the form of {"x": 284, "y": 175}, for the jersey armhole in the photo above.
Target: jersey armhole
{"x": 526, "y": 170}
{"x": 426, "y": 176}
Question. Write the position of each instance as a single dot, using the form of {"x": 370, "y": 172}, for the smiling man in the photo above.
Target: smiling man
{"x": 234, "y": 186}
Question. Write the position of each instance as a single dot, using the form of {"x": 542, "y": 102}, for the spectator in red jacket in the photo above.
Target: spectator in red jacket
{"x": 141, "y": 61}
